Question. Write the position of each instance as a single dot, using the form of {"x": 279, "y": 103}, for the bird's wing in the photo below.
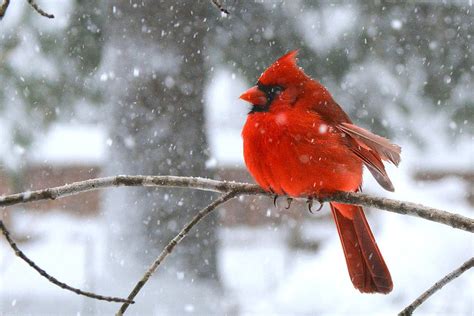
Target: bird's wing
{"x": 382, "y": 146}
{"x": 373, "y": 162}
{"x": 372, "y": 149}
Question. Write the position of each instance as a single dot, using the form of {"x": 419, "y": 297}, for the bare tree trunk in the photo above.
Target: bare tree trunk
{"x": 155, "y": 64}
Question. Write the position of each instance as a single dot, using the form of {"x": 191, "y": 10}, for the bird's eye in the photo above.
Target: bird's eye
{"x": 275, "y": 89}
{"x": 270, "y": 91}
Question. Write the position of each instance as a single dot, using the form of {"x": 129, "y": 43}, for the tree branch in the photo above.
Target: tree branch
{"x": 400, "y": 207}
{"x": 405, "y": 208}
{"x": 3, "y": 8}
{"x": 52, "y": 279}
{"x": 219, "y": 5}
{"x": 39, "y": 10}
{"x": 6, "y": 3}
{"x": 173, "y": 243}
{"x": 436, "y": 287}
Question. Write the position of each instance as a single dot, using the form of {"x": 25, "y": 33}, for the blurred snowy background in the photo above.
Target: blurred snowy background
{"x": 151, "y": 87}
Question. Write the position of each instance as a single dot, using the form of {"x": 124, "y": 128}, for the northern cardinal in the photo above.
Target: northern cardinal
{"x": 299, "y": 142}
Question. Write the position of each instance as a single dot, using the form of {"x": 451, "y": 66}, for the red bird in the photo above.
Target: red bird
{"x": 299, "y": 142}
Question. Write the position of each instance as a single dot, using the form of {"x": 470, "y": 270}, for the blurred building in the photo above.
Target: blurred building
{"x": 70, "y": 153}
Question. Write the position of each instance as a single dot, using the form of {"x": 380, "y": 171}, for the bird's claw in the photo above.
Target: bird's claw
{"x": 310, "y": 205}
{"x": 288, "y": 200}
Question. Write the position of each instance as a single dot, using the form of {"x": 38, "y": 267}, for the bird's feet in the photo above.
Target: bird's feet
{"x": 288, "y": 201}
{"x": 310, "y": 203}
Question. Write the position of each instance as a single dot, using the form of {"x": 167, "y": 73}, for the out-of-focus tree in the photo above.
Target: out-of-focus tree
{"x": 427, "y": 49}
{"x": 46, "y": 69}
{"x": 155, "y": 63}
{"x": 154, "y": 73}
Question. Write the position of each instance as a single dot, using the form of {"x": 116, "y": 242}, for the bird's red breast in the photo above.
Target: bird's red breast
{"x": 299, "y": 154}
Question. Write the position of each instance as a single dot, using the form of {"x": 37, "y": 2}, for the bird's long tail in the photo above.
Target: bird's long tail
{"x": 367, "y": 268}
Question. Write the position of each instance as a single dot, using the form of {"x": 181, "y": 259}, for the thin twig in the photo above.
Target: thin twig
{"x": 39, "y": 10}
{"x": 400, "y": 207}
{"x": 3, "y": 8}
{"x": 219, "y": 5}
{"x": 173, "y": 243}
{"x": 52, "y": 279}
{"x": 436, "y": 287}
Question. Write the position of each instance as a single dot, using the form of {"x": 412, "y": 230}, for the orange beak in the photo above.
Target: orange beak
{"x": 254, "y": 96}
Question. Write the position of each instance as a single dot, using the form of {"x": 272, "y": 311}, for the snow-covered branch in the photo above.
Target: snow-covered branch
{"x": 400, "y": 207}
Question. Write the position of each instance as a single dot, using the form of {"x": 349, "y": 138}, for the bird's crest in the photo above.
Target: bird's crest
{"x": 284, "y": 71}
